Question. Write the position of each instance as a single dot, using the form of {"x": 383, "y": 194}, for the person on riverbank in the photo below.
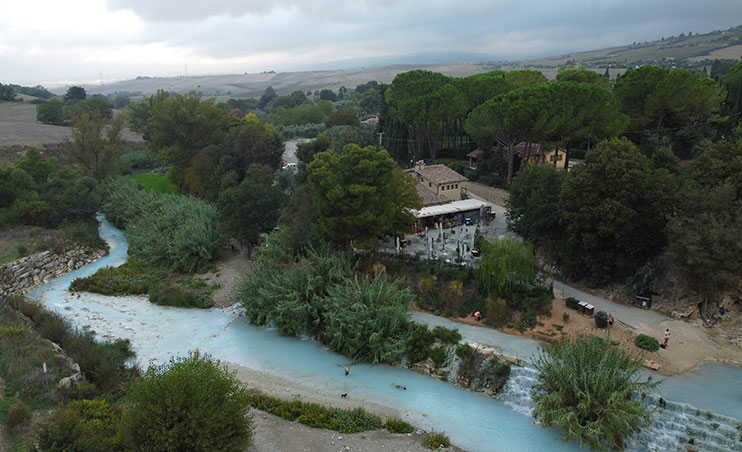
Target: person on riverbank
{"x": 667, "y": 336}
{"x": 478, "y": 316}
{"x": 611, "y": 320}
{"x": 347, "y": 370}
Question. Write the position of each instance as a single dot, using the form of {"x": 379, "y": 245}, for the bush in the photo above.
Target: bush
{"x": 128, "y": 279}
{"x": 398, "y": 426}
{"x": 18, "y": 414}
{"x": 585, "y": 389}
{"x": 572, "y": 303}
{"x": 178, "y": 296}
{"x": 81, "y": 426}
{"x": 447, "y": 335}
{"x": 435, "y": 440}
{"x": 647, "y": 342}
{"x": 565, "y": 316}
{"x": 187, "y": 404}
{"x": 317, "y": 416}
{"x": 601, "y": 319}
{"x": 438, "y": 355}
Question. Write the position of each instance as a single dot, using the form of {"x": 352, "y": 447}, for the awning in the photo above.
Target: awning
{"x": 465, "y": 205}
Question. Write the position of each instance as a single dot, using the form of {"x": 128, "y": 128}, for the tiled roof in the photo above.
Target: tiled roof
{"x": 441, "y": 174}
{"x": 475, "y": 153}
{"x": 521, "y": 147}
{"x": 429, "y": 197}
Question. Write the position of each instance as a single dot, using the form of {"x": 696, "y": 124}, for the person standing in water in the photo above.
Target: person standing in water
{"x": 347, "y": 369}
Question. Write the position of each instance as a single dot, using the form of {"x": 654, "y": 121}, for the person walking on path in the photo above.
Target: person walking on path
{"x": 347, "y": 369}
{"x": 667, "y": 336}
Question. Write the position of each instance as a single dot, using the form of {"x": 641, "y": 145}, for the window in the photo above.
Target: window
{"x": 456, "y": 186}
{"x": 429, "y": 185}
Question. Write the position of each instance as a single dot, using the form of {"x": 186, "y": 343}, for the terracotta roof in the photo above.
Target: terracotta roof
{"x": 429, "y": 197}
{"x": 475, "y": 153}
{"x": 521, "y": 147}
{"x": 441, "y": 174}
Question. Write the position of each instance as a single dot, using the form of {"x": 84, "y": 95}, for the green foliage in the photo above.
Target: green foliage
{"x": 367, "y": 319}
{"x": 361, "y": 194}
{"x": 705, "y": 245}
{"x": 732, "y": 82}
{"x": 125, "y": 201}
{"x": 583, "y": 75}
{"x": 647, "y": 342}
{"x": 438, "y": 355}
{"x": 435, "y": 440}
{"x": 398, "y": 426}
{"x": 252, "y": 208}
{"x": 179, "y": 296}
{"x": 81, "y": 426}
{"x": 127, "y": 279}
{"x": 533, "y": 205}
{"x": 180, "y": 126}
{"x": 446, "y": 335}
{"x": 584, "y": 388}
{"x": 668, "y": 101}
{"x": 136, "y": 160}
{"x": 96, "y": 143}
{"x": 187, "y": 404}
{"x": 317, "y": 416}
{"x": 345, "y": 117}
{"x": 156, "y": 183}
{"x": 175, "y": 232}
{"x": 565, "y": 316}
{"x": 74, "y": 94}
{"x": 18, "y": 414}
{"x": 613, "y": 212}
{"x": 506, "y": 265}
{"x": 601, "y": 319}
{"x": 50, "y": 112}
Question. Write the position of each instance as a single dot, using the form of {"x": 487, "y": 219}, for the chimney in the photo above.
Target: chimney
{"x": 419, "y": 165}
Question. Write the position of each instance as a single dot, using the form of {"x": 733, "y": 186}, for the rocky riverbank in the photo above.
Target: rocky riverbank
{"x": 22, "y": 275}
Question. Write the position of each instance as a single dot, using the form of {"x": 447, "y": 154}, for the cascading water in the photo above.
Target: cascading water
{"x": 473, "y": 421}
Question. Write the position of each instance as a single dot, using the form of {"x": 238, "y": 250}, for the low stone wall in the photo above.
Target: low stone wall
{"x": 22, "y": 275}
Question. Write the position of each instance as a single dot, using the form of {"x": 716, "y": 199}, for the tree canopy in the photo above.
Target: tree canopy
{"x": 188, "y": 404}
{"x": 613, "y": 211}
{"x": 96, "y": 143}
{"x": 359, "y": 194}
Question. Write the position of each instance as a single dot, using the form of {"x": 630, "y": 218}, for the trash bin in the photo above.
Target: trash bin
{"x": 581, "y": 307}
{"x": 589, "y": 310}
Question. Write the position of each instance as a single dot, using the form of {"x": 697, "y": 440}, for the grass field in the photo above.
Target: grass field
{"x": 158, "y": 183}
{"x": 18, "y": 126}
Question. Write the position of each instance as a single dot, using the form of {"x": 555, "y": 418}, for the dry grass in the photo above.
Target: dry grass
{"x": 18, "y": 126}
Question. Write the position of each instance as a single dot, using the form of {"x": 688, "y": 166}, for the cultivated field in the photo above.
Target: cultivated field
{"x": 18, "y": 126}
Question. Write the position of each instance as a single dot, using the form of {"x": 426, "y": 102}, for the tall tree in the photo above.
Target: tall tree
{"x": 732, "y": 82}
{"x": 96, "y": 143}
{"x": 525, "y": 77}
{"x": 74, "y": 94}
{"x": 583, "y": 75}
{"x": 533, "y": 204}
{"x": 669, "y": 102}
{"x": 705, "y": 247}
{"x": 50, "y": 112}
{"x": 506, "y": 265}
{"x": 182, "y": 125}
{"x": 425, "y": 101}
{"x": 253, "y": 207}
{"x": 613, "y": 211}
{"x": 268, "y": 95}
{"x": 357, "y": 195}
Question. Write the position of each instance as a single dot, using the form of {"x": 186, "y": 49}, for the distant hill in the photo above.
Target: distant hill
{"x": 686, "y": 51}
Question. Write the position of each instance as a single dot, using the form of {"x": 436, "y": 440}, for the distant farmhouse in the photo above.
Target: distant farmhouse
{"x": 529, "y": 152}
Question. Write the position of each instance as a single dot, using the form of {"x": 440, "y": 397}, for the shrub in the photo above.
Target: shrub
{"x": 317, "y": 416}
{"x": 187, "y": 404}
{"x": 601, "y": 319}
{"x": 438, "y": 355}
{"x": 461, "y": 350}
{"x": 572, "y": 303}
{"x": 18, "y": 414}
{"x": 496, "y": 374}
{"x": 83, "y": 425}
{"x": 435, "y": 440}
{"x": 398, "y": 426}
{"x": 585, "y": 389}
{"x": 446, "y": 335}
{"x": 647, "y": 342}
{"x": 565, "y": 316}
{"x": 127, "y": 279}
{"x": 178, "y": 296}
{"x": 497, "y": 312}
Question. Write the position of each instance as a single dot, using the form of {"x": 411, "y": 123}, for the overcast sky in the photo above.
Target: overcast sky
{"x": 54, "y": 42}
